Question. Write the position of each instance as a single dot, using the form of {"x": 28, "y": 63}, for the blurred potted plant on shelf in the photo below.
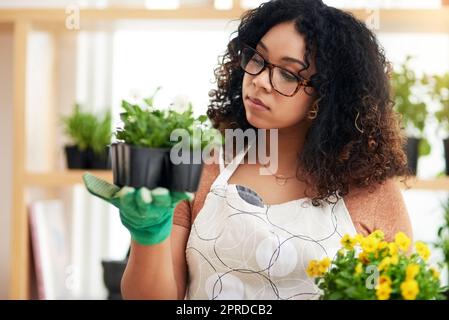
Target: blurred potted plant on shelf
{"x": 439, "y": 91}
{"x": 442, "y": 242}
{"x": 413, "y": 111}
{"x": 146, "y": 147}
{"x": 90, "y": 135}
{"x": 112, "y": 275}
{"x": 370, "y": 268}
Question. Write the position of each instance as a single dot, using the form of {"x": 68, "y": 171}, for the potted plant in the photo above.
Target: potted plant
{"x": 413, "y": 111}
{"x": 90, "y": 136}
{"x": 439, "y": 91}
{"x": 144, "y": 152}
{"x": 112, "y": 275}
{"x": 370, "y": 268}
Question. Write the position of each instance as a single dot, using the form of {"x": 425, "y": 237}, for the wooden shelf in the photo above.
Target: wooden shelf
{"x": 437, "y": 184}
{"x": 113, "y": 14}
{"x": 72, "y": 177}
{"x": 63, "y": 178}
{"x": 389, "y": 20}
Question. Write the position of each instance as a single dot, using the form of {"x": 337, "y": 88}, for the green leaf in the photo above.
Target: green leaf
{"x": 336, "y": 296}
{"x": 424, "y": 147}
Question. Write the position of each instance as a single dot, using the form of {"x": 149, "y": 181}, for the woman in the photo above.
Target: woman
{"x": 319, "y": 77}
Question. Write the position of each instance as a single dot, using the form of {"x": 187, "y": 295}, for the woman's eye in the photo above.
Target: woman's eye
{"x": 286, "y": 75}
{"x": 257, "y": 60}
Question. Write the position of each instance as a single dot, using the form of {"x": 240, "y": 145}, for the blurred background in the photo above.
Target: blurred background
{"x": 55, "y": 239}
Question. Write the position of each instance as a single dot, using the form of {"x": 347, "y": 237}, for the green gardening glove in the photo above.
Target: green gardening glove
{"x": 148, "y": 215}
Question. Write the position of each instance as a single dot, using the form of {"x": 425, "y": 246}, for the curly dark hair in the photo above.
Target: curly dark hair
{"x": 352, "y": 85}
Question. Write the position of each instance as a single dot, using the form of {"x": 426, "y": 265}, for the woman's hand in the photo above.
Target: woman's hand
{"x": 147, "y": 214}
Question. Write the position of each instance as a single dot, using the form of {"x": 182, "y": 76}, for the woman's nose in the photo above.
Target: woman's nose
{"x": 262, "y": 80}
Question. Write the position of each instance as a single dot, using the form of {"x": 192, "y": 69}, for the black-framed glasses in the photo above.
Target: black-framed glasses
{"x": 282, "y": 80}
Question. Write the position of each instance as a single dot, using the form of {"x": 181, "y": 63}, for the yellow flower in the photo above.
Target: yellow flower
{"x": 369, "y": 244}
{"x": 378, "y": 234}
{"x": 409, "y": 289}
{"x": 363, "y": 258}
{"x": 383, "y": 291}
{"x": 312, "y": 268}
{"x": 435, "y": 273}
{"x": 324, "y": 265}
{"x": 358, "y": 269}
{"x": 394, "y": 259}
{"x": 384, "y": 263}
{"x": 384, "y": 279}
{"x": 358, "y": 238}
{"x": 382, "y": 245}
{"x": 393, "y": 248}
{"x": 412, "y": 271}
{"x": 348, "y": 242}
{"x": 423, "y": 250}
{"x": 402, "y": 241}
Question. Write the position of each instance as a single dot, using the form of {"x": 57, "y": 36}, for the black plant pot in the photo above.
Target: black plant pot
{"x": 140, "y": 167}
{"x": 186, "y": 176}
{"x": 412, "y": 148}
{"x": 98, "y": 161}
{"x": 151, "y": 167}
{"x": 112, "y": 276}
{"x": 76, "y": 159}
{"x": 446, "y": 154}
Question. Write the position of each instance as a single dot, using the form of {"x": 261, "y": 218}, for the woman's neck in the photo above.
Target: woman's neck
{"x": 288, "y": 146}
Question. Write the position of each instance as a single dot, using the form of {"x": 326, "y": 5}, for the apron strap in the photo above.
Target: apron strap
{"x": 226, "y": 172}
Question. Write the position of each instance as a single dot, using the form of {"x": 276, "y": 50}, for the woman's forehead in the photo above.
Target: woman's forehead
{"x": 283, "y": 40}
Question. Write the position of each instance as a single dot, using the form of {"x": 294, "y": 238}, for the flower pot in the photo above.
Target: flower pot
{"x": 112, "y": 277}
{"x": 446, "y": 154}
{"x": 186, "y": 176}
{"x": 76, "y": 158}
{"x": 98, "y": 161}
{"x": 412, "y": 154}
{"x": 140, "y": 167}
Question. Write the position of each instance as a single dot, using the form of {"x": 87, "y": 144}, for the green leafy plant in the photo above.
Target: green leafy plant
{"x": 370, "y": 268}
{"x": 409, "y": 104}
{"x": 439, "y": 92}
{"x": 442, "y": 242}
{"x": 147, "y": 126}
{"x": 88, "y": 131}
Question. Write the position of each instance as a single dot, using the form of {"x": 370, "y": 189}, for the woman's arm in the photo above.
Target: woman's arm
{"x": 160, "y": 271}
{"x": 157, "y": 271}
{"x": 380, "y": 209}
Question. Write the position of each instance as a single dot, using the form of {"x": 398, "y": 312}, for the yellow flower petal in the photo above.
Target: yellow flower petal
{"x": 412, "y": 271}
{"x": 409, "y": 289}
{"x": 402, "y": 241}
{"x": 383, "y": 291}
{"x": 423, "y": 250}
{"x": 358, "y": 269}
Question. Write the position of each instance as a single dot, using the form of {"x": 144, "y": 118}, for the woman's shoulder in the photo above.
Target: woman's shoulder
{"x": 379, "y": 207}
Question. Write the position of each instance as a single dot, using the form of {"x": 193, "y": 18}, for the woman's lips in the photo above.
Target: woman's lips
{"x": 257, "y": 104}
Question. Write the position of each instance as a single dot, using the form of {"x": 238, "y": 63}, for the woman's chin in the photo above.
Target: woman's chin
{"x": 259, "y": 123}
{"x": 256, "y": 121}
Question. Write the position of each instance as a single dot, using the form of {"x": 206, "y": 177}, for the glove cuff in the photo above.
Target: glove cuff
{"x": 153, "y": 234}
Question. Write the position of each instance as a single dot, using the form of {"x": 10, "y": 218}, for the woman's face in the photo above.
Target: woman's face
{"x": 280, "y": 42}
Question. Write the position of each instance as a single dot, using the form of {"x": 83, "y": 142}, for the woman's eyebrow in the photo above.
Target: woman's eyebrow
{"x": 288, "y": 59}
